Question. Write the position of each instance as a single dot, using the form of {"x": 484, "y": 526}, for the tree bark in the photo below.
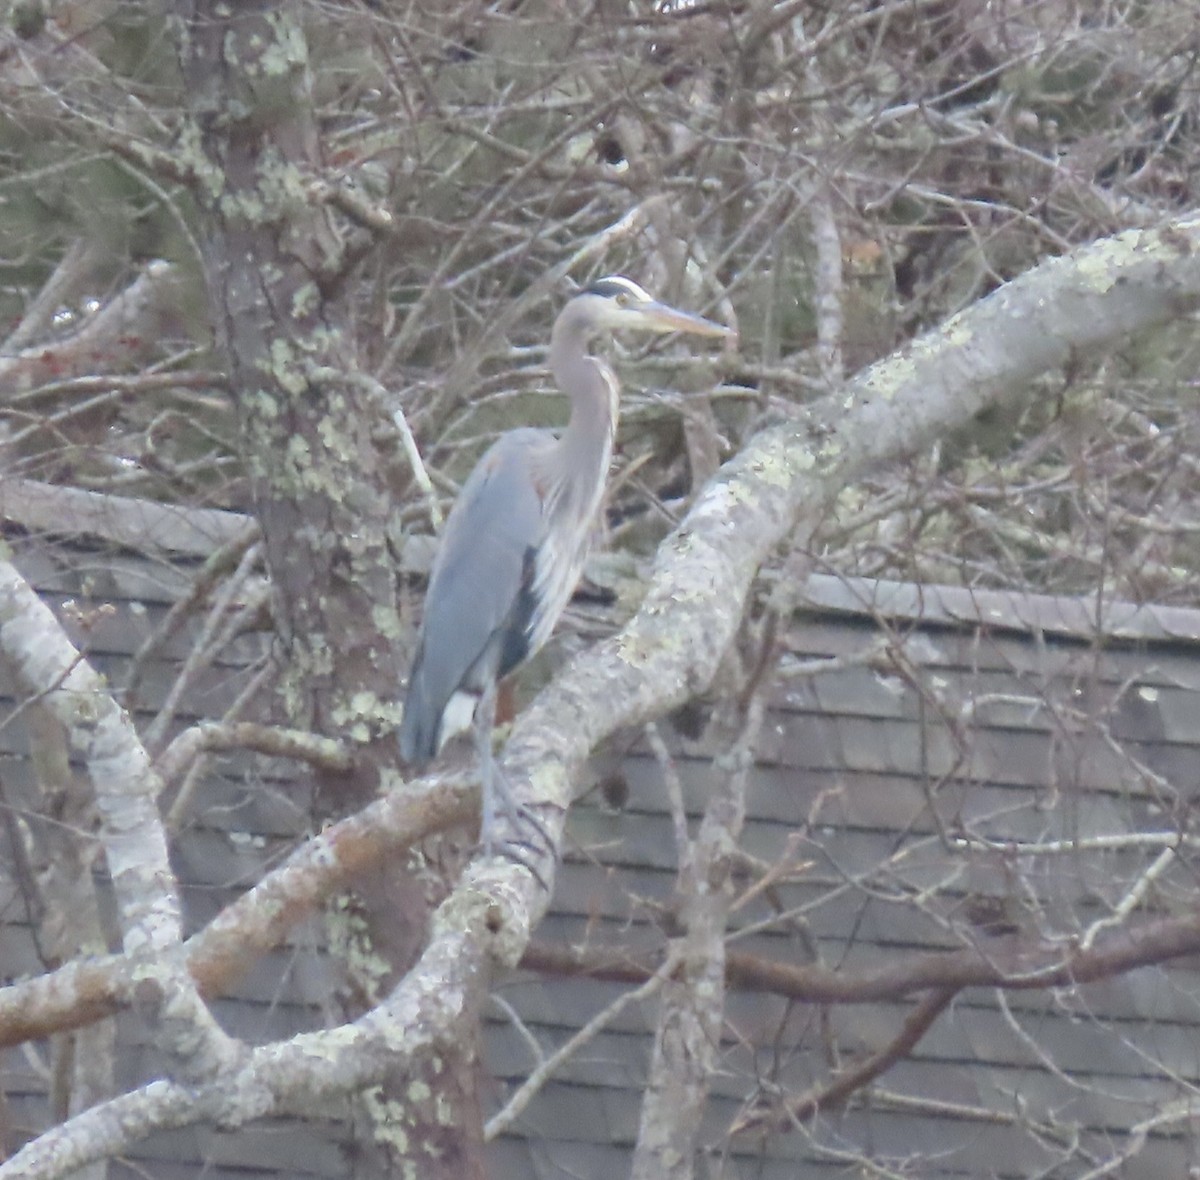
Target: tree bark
{"x": 308, "y": 432}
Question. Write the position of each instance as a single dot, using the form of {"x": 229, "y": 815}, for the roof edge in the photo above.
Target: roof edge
{"x": 1086, "y": 617}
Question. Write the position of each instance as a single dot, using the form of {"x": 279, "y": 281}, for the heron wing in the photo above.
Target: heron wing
{"x": 481, "y": 597}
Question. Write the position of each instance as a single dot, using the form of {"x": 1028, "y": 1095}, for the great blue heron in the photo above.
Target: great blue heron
{"x": 515, "y": 541}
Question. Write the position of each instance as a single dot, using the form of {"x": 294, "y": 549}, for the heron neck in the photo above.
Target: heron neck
{"x": 592, "y": 389}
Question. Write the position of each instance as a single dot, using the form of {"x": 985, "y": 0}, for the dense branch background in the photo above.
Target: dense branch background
{"x": 270, "y": 280}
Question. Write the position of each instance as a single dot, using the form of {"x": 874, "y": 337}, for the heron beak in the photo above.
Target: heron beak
{"x": 658, "y": 317}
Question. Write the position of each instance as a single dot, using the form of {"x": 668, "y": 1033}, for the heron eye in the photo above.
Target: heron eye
{"x": 622, "y": 299}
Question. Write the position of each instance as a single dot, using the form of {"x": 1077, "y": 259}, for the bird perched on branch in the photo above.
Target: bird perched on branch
{"x": 514, "y": 544}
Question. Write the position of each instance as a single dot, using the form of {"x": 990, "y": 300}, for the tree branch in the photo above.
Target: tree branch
{"x": 220, "y": 953}
{"x": 47, "y": 666}
{"x": 130, "y": 325}
{"x": 687, "y": 1033}
{"x": 916, "y": 1025}
{"x": 143, "y": 525}
{"x": 1010, "y": 963}
{"x": 274, "y": 741}
{"x": 425, "y": 1013}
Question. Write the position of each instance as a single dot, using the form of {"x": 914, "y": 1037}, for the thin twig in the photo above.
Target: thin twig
{"x": 511, "y": 1111}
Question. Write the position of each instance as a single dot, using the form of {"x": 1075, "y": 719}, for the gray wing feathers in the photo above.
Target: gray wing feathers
{"x": 476, "y": 580}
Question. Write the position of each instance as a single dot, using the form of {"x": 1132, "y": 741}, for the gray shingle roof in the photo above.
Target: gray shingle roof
{"x": 1002, "y": 717}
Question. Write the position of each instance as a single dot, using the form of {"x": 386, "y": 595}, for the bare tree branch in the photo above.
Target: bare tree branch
{"x": 129, "y": 326}
{"x": 47, "y": 666}
{"x": 916, "y": 1025}
{"x": 221, "y": 952}
{"x": 137, "y": 524}
{"x": 1006, "y": 962}
{"x": 545, "y": 1070}
{"x": 213, "y": 736}
{"x": 424, "y": 1014}
{"x": 73, "y": 270}
{"x": 692, "y": 1011}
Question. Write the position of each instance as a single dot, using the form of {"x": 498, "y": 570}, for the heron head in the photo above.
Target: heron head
{"x": 617, "y": 302}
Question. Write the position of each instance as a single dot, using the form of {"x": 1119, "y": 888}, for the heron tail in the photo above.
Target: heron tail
{"x": 421, "y": 723}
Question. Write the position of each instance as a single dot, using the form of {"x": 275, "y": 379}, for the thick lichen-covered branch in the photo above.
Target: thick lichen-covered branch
{"x": 125, "y": 786}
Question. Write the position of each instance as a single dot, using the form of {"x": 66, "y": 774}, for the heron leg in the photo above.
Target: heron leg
{"x": 497, "y": 797}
